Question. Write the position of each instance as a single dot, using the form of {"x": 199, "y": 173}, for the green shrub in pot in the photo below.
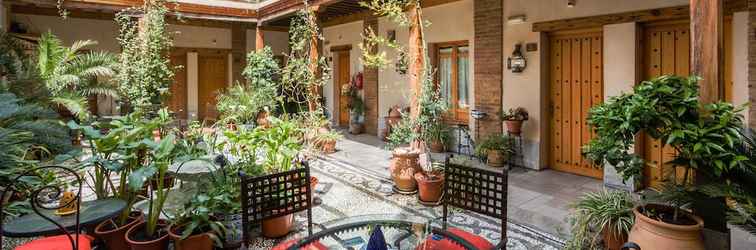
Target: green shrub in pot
{"x": 603, "y": 215}
{"x": 197, "y": 227}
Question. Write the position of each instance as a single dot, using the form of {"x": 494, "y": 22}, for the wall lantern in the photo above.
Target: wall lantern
{"x": 516, "y": 62}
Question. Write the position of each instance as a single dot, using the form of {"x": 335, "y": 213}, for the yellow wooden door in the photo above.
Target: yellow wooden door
{"x": 576, "y": 85}
{"x": 666, "y": 51}
{"x": 343, "y": 79}
{"x": 212, "y": 79}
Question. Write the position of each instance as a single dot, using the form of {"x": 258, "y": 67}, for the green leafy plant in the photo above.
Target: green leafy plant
{"x": 516, "y": 114}
{"x": 425, "y": 127}
{"x": 501, "y": 143}
{"x": 239, "y": 104}
{"x": 438, "y": 132}
{"x": 198, "y": 216}
{"x": 242, "y": 103}
{"x": 72, "y": 76}
{"x": 597, "y": 212}
{"x": 266, "y": 150}
{"x": 325, "y": 137}
{"x": 705, "y": 137}
{"x": 144, "y": 71}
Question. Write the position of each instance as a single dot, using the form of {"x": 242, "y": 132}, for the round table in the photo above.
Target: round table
{"x": 90, "y": 213}
{"x": 399, "y": 230}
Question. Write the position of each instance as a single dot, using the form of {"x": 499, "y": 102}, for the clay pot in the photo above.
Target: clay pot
{"x": 277, "y": 227}
{"x": 262, "y": 119}
{"x": 114, "y": 238}
{"x": 404, "y": 165}
{"x": 430, "y": 190}
{"x": 193, "y": 242}
{"x": 395, "y": 112}
{"x": 328, "y": 147}
{"x": 649, "y": 233}
{"x": 495, "y": 158}
{"x": 612, "y": 239}
{"x": 436, "y": 146}
{"x": 356, "y": 128}
{"x": 160, "y": 243}
{"x": 231, "y": 126}
{"x": 514, "y": 127}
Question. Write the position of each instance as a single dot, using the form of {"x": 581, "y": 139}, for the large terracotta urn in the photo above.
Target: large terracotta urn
{"x": 404, "y": 165}
{"x": 650, "y": 233}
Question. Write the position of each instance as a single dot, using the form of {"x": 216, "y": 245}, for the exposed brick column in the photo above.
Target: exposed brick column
{"x": 489, "y": 29}
{"x": 238, "y": 50}
{"x": 752, "y": 62}
{"x": 370, "y": 86}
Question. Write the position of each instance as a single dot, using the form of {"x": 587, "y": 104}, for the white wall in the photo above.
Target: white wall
{"x": 277, "y": 40}
{"x": 740, "y": 60}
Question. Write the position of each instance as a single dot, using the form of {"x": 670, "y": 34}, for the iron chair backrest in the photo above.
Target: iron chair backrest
{"x": 477, "y": 190}
{"x": 35, "y": 198}
{"x": 269, "y": 196}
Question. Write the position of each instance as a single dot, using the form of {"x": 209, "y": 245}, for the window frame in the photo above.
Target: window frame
{"x": 455, "y": 114}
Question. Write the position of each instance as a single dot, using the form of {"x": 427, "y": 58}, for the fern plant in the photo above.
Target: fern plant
{"x": 72, "y": 75}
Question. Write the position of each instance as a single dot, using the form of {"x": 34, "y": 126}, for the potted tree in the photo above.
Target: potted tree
{"x": 601, "y": 216}
{"x": 196, "y": 227}
{"x": 513, "y": 119}
{"x": 326, "y": 141}
{"x": 356, "y": 110}
{"x": 705, "y": 138}
{"x": 261, "y": 74}
{"x": 430, "y": 184}
{"x": 496, "y": 148}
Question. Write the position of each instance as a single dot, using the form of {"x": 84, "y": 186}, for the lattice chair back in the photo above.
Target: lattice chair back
{"x": 48, "y": 197}
{"x": 270, "y": 196}
{"x": 477, "y": 190}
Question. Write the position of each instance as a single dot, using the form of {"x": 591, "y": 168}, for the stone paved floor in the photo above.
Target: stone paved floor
{"x": 537, "y": 198}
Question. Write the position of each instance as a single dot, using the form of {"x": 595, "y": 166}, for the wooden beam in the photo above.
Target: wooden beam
{"x": 346, "y": 47}
{"x": 706, "y": 33}
{"x": 661, "y": 14}
{"x": 116, "y": 5}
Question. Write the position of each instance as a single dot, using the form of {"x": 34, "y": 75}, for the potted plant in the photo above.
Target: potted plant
{"x": 267, "y": 151}
{"x": 705, "y": 138}
{"x": 196, "y": 227}
{"x": 327, "y": 141}
{"x": 430, "y": 184}
{"x": 513, "y": 119}
{"x": 496, "y": 148}
{"x": 356, "y": 107}
{"x": 437, "y": 137}
{"x": 601, "y": 216}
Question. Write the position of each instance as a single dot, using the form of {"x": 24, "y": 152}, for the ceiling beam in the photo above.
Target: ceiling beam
{"x": 122, "y": 4}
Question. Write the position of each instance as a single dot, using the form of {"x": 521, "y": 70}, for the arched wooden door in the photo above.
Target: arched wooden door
{"x": 666, "y": 51}
{"x": 576, "y": 85}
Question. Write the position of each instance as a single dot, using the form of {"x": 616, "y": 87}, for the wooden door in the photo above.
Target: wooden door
{"x": 343, "y": 79}
{"x": 212, "y": 79}
{"x": 666, "y": 51}
{"x": 576, "y": 86}
{"x": 178, "y": 91}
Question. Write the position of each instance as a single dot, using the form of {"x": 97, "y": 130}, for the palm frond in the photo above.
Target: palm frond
{"x": 75, "y": 104}
{"x": 102, "y": 89}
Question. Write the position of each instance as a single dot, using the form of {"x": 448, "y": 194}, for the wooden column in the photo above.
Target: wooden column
{"x": 370, "y": 84}
{"x": 416, "y": 59}
{"x": 313, "y": 103}
{"x": 259, "y": 38}
{"x": 706, "y": 33}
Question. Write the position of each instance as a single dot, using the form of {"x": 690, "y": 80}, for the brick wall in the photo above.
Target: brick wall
{"x": 752, "y": 62}
{"x": 370, "y": 88}
{"x": 488, "y": 23}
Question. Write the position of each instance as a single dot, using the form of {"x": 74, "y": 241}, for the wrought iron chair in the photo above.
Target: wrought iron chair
{"x": 37, "y": 199}
{"x": 477, "y": 190}
{"x": 270, "y": 196}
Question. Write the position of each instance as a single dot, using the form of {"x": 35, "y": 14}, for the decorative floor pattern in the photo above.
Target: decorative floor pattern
{"x": 345, "y": 191}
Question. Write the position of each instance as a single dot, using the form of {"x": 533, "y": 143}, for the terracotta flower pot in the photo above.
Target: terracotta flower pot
{"x": 328, "y": 147}
{"x": 436, "y": 146}
{"x": 114, "y": 238}
{"x": 262, "y": 119}
{"x": 193, "y": 242}
{"x": 134, "y": 233}
{"x": 650, "y": 233}
{"x": 612, "y": 239}
{"x": 356, "y": 128}
{"x": 495, "y": 158}
{"x": 395, "y": 112}
{"x": 277, "y": 227}
{"x": 430, "y": 190}
{"x": 404, "y": 165}
{"x": 514, "y": 127}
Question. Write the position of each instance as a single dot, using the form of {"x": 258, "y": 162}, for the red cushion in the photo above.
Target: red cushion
{"x": 312, "y": 246}
{"x": 60, "y": 242}
{"x": 444, "y": 243}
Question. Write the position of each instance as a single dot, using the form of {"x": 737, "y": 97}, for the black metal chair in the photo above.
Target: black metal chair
{"x": 275, "y": 195}
{"x": 44, "y": 196}
{"x": 477, "y": 190}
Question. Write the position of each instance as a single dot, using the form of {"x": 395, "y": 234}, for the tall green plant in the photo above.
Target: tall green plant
{"x": 144, "y": 71}
{"x": 72, "y": 75}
